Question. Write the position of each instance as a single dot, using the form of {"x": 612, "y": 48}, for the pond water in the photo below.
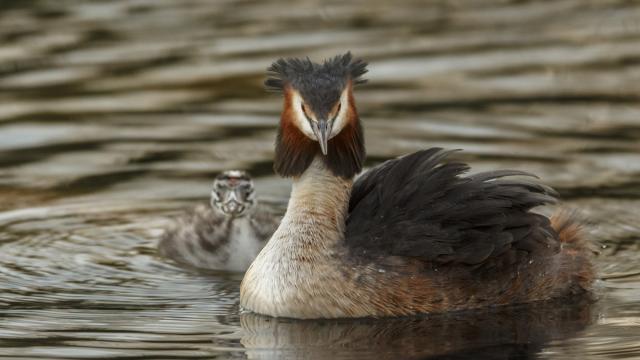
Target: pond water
{"x": 116, "y": 115}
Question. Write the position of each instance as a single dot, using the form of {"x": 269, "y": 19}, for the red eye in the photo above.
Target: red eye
{"x": 336, "y": 111}
{"x": 304, "y": 110}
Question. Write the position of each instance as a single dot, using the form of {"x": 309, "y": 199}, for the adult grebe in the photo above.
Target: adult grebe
{"x": 226, "y": 236}
{"x": 412, "y": 235}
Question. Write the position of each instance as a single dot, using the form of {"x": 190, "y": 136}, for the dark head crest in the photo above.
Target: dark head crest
{"x": 304, "y": 74}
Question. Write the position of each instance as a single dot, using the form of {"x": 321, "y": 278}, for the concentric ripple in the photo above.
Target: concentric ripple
{"x": 81, "y": 281}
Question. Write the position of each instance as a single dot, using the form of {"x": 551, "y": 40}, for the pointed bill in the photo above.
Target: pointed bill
{"x": 322, "y": 131}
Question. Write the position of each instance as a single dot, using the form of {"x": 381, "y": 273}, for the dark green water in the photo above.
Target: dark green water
{"x": 116, "y": 115}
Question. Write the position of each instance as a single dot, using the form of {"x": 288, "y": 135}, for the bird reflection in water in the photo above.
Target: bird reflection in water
{"x": 514, "y": 332}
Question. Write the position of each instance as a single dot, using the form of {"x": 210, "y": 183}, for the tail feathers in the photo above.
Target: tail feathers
{"x": 568, "y": 228}
{"x": 576, "y": 250}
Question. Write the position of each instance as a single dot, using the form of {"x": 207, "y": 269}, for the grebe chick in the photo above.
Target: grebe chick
{"x": 412, "y": 235}
{"x": 225, "y": 236}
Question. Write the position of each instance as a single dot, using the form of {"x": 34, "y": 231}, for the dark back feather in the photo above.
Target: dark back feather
{"x": 417, "y": 206}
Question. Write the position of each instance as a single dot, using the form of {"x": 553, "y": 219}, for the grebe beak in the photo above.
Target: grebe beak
{"x": 233, "y": 207}
{"x": 232, "y": 204}
{"x": 322, "y": 129}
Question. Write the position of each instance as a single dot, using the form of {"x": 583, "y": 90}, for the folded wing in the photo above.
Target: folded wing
{"x": 422, "y": 207}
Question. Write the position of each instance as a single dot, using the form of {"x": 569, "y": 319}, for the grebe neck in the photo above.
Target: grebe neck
{"x": 305, "y": 248}
{"x": 317, "y": 209}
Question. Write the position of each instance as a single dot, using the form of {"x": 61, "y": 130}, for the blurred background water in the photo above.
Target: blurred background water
{"x": 116, "y": 115}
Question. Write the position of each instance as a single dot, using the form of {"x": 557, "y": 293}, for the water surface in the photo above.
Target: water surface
{"x": 116, "y": 115}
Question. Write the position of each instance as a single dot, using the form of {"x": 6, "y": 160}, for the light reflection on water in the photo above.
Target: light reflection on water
{"x": 115, "y": 116}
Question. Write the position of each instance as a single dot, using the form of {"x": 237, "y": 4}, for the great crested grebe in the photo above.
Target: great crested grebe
{"x": 225, "y": 236}
{"x": 412, "y": 235}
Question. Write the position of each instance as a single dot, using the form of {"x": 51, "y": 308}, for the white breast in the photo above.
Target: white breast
{"x": 244, "y": 245}
{"x": 272, "y": 281}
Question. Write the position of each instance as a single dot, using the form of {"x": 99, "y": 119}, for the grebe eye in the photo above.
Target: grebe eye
{"x": 337, "y": 110}
{"x": 304, "y": 110}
